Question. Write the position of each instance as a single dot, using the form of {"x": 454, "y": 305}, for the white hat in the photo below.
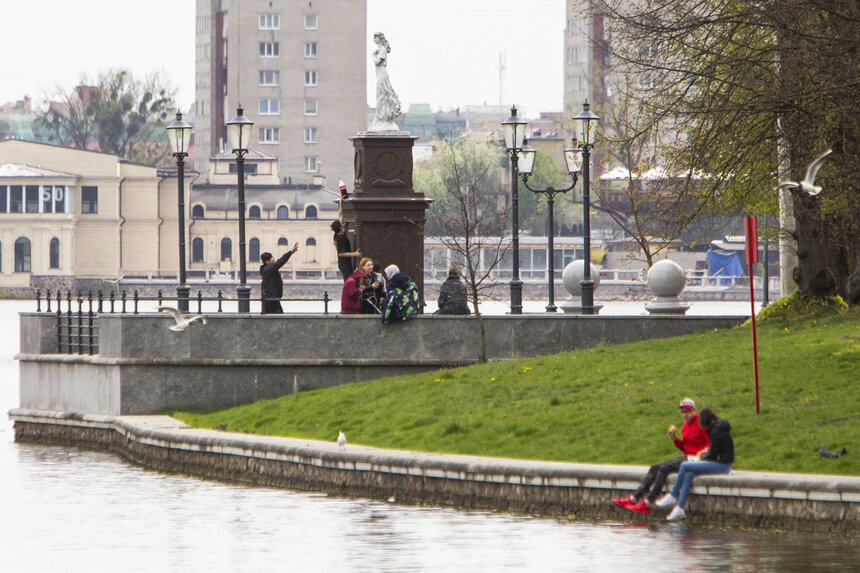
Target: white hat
{"x": 686, "y": 403}
{"x": 390, "y": 271}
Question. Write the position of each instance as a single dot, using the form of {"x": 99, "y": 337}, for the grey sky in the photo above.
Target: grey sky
{"x": 444, "y": 52}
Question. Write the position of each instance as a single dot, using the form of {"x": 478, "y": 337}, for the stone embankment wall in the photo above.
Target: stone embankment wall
{"x": 540, "y": 488}
{"x": 143, "y": 368}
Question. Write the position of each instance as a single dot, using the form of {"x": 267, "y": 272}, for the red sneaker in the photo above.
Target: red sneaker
{"x": 640, "y": 507}
{"x": 623, "y": 502}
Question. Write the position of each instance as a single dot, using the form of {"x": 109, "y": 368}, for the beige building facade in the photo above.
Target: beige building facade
{"x": 298, "y": 69}
{"x": 68, "y": 214}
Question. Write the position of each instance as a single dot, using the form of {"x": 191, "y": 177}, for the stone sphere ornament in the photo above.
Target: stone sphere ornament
{"x": 571, "y": 277}
{"x": 667, "y": 280}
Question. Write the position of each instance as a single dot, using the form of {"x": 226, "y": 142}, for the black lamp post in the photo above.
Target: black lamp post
{"x": 239, "y": 134}
{"x": 179, "y": 134}
{"x": 586, "y": 122}
{"x": 526, "y": 163}
{"x": 514, "y": 129}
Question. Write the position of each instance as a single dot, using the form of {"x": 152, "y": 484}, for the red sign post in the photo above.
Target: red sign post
{"x": 751, "y": 234}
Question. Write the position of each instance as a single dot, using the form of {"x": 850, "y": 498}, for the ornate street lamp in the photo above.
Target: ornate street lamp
{"x": 179, "y": 134}
{"x": 239, "y": 134}
{"x": 514, "y": 129}
{"x": 586, "y": 126}
{"x": 526, "y": 163}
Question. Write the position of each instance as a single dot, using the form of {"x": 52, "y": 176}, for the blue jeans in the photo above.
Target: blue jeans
{"x": 688, "y": 471}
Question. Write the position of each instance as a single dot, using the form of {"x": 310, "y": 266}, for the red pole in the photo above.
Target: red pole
{"x": 752, "y": 258}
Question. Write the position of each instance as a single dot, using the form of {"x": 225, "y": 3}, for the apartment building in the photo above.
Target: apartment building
{"x": 298, "y": 69}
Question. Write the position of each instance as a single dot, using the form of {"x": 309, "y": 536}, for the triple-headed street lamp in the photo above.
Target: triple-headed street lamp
{"x": 239, "y": 134}
{"x": 514, "y": 130}
{"x": 574, "y": 164}
{"x": 179, "y": 134}
{"x": 586, "y": 124}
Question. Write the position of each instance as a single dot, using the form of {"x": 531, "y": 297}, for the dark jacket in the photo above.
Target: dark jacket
{"x": 452, "y": 297}
{"x": 272, "y": 285}
{"x": 401, "y": 299}
{"x": 350, "y": 296}
{"x": 722, "y": 447}
{"x": 346, "y": 265}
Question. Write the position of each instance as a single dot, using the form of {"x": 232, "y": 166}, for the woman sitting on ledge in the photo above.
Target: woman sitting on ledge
{"x": 718, "y": 460}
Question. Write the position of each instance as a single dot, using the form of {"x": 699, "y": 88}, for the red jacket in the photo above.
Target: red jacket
{"x": 350, "y": 297}
{"x": 693, "y": 438}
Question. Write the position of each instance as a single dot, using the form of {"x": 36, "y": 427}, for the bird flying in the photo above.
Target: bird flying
{"x": 181, "y": 322}
{"x": 341, "y": 440}
{"x": 807, "y": 185}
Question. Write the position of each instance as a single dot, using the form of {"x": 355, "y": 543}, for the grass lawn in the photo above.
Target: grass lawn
{"x": 609, "y": 404}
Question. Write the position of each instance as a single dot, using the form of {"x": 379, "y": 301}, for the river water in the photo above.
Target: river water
{"x": 68, "y": 509}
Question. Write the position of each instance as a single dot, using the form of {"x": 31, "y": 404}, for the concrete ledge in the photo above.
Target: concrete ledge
{"x": 796, "y": 501}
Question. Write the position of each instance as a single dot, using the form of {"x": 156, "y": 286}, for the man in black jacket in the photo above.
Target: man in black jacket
{"x": 272, "y": 285}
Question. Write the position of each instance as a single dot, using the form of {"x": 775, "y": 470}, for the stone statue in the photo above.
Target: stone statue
{"x": 387, "y": 102}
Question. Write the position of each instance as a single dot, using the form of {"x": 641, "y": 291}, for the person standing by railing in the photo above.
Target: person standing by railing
{"x": 272, "y": 285}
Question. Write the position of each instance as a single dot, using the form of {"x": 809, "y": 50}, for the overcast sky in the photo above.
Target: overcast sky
{"x": 443, "y": 52}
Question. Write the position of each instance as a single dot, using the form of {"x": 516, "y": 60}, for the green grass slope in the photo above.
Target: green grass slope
{"x": 608, "y": 404}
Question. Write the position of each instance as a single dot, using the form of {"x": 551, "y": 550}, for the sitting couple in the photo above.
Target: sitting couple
{"x": 708, "y": 448}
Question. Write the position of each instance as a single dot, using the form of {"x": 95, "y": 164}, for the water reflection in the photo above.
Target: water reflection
{"x": 67, "y": 509}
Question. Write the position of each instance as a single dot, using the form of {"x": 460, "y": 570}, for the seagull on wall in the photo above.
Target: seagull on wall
{"x": 181, "y": 322}
{"x": 807, "y": 185}
{"x": 341, "y": 440}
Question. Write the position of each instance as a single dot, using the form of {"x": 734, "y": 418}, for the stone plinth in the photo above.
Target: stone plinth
{"x": 384, "y": 210}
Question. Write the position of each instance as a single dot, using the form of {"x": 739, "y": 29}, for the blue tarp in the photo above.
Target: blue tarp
{"x": 724, "y": 265}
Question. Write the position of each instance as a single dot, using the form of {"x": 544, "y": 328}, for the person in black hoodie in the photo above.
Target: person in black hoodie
{"x": 272, "y": 285}
{"x": 452, "y": 295}
{"x": 718, "y": 460}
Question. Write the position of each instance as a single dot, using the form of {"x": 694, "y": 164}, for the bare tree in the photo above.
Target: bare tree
{"x": 468, "y": 216}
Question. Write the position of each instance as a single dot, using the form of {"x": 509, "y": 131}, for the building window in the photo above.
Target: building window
{"x": 254, "y": 250}
{"x": 283, "y": 242}
{"x": 4, "y": 198}
{"x": 310, "y": 212}
{"x": 32, "y": 198}
{"x": 310, "y": 135}
{"x": 310, "y": 49}
{"x": 226, "y": 250}
{"x": 310, "y": 78}
{"x": 310, "y": 250}
{"x": 16, "y": 198}
{"x": 311, "y": 22}
{"x": 54, "y": 254}
{"x": 283, "y": 212}
{"x": 89, "y": 199}
{"x": 22, "y": 255}
{"x": 311, "y": 164}
{"x": 53, "y": 199}
{"x": 270, "y": 107}
{"x": 198, "y": 212}
{"x": 250, "y": 168}
{"x": 270, "y": 78}
{"x": 270, "y": 135}
{"x": 310, "y": 107}
{"x": 270, "y": 49}
{"x": 254, "y": 212}
{"x": 270, "y": 22}
{"x": 197, "y": 250}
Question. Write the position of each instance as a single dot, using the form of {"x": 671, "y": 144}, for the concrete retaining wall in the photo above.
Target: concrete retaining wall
{"x": 143, "y": 368}
{"x": 535, "y": 487}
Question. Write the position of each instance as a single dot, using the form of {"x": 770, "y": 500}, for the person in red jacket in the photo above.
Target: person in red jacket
{"x": 355, "y": 285}
{"x": 693, "y": 441}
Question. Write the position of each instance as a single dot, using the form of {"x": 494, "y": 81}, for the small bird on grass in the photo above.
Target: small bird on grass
{"x": 341, "y": 440}
{"x": 830, "y": 455}
{"x": 181, "y": 322}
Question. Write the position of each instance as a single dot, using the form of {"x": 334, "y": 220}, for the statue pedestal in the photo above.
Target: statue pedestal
{"x": 384, "y": 210}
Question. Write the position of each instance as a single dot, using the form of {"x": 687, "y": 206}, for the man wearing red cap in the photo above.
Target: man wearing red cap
{"x": 693, "y": 442}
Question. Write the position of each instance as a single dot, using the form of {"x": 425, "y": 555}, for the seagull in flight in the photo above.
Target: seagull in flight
{"x": 181, "y": 322}
{"x": 341, "y": 440}
{"x": 807, "y": 185}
